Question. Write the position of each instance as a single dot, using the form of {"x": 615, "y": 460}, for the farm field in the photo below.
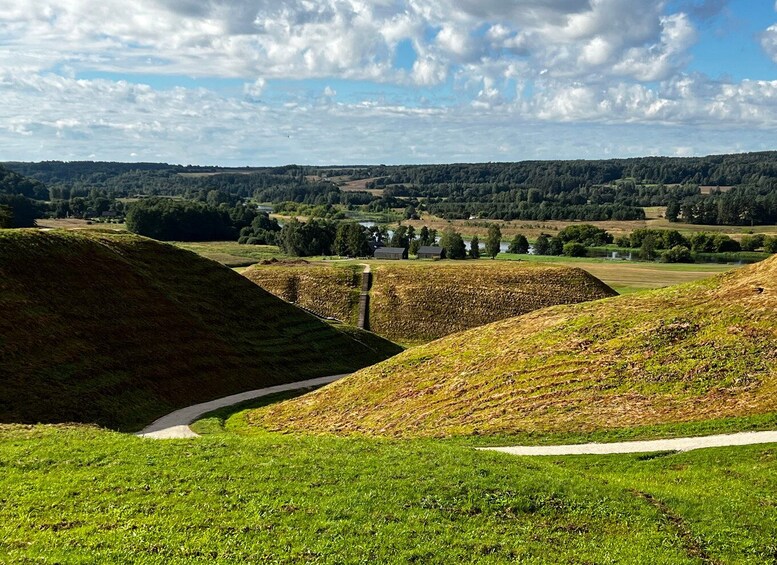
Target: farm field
{"x": 239, "y": 494}
{"x": 631, "y": 276}
{"x": 532, "y": 229}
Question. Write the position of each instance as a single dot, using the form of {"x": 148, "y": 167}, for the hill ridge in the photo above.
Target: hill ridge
{"x": 696, "y": 351}
{"x": 117, "y": 330}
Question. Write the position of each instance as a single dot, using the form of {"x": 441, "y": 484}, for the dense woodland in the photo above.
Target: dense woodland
{"x": 738, "y": 189}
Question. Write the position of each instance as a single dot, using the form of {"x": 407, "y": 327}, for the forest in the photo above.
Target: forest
{"x": 737, "y": 189}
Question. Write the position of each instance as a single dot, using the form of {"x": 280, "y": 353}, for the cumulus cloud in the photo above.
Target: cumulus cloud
{"x": 488, "y": 64}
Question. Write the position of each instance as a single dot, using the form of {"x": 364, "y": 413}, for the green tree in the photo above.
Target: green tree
{"x": 493, "y": 241}
{"x": 474, "y": 248}
{"x": 6, "y": 217}
{"x": 770, "y": 244}
{"x": 672, "y": 210}
{"x": 753, "y": 242}
{"x": 519, "y": 245}
{"x": 542, "y": 245}
{"x": 453, "y": 244}
{"x": 677, "y": 254}
{"x": 648, "y": 249}
{"x": 556, "y": 246}
{"x": 574, "y": 249}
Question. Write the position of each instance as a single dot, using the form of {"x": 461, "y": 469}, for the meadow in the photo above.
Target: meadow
{"x": 79, "y": 494}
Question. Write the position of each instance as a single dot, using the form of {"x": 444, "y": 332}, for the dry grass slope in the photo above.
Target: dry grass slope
{"x": 117, "y": 329}
{"x": 332, "y": 292}
{"x": 417, "y": 302}
{"x": 693, "y": 352}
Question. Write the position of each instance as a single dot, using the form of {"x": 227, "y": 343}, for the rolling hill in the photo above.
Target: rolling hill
{"x": 418, "y": 301}
{"x": 116, "y": 329}
{"x": 688, "y": 353}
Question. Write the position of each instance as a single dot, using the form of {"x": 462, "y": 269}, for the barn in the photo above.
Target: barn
{"x": 391, "y": 253}
{"x": 430, "y": 252}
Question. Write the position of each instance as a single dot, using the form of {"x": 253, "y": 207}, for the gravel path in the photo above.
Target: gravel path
{"x": 176, "y": 424}
{"x": 676, "y": 444}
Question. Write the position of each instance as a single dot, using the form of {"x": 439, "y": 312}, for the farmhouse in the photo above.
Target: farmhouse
{"x": 391, "y": 253}
{"x": 431, "y": 252}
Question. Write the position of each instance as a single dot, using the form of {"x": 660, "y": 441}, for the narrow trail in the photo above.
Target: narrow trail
{"x": 176, "y": 424}
{"x": 674, "y": 444}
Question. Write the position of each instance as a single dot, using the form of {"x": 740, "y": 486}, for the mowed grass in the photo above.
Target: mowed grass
{"x": 76, "y": 494}
{"x": 417, "y": 301}
{"x": 690, "y": 353}
{"x": 118, "y": 330}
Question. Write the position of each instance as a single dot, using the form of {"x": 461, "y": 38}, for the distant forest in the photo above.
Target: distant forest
{"x": 739, "y": 189}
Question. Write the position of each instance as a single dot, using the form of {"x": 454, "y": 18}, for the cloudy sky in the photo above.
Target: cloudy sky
{"x": 263, "y": 82}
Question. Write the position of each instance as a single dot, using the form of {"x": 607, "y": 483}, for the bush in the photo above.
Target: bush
{"x": 677, "y": 254}
{"x": 770, "y": 244}
{"x": 574, "y": 249}
{"x": 753, "y": 242}
{"x": 519, "y": 245}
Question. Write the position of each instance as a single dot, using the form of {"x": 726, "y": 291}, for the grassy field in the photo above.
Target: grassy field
{"x": 693, "y": 352}
{"x": 532, "y": 229}
{"x": 75, "y": 494}
{"x": 417, "y": 301}
{"x": 230, "y": 253}
{"x": 117, "y": 329}
{"x": 630, "y": 276}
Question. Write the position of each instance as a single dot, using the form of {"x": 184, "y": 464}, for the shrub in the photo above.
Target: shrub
{"x": 677, "y": 254}
{"x": 574, "y": 249}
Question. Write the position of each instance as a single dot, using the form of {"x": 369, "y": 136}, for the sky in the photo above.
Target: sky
{"x": 328, "y": 82}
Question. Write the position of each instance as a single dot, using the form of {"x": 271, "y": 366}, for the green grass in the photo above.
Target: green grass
{"x": 701, "y": 351}
{"x": 85, "y": 495}
{"x": 230, "y": 253}
{"x": 117, "y": 329}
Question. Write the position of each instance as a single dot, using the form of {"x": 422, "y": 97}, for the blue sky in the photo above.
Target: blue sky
{"x": 261, "y": 82}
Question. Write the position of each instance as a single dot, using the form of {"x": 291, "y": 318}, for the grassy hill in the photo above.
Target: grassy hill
{"x": 415, "y": 302}
{"x": 688, "y": 353}
{"x": 118, "y": 329}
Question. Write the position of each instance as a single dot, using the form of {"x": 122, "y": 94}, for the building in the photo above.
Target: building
{"x": 391, "y": 253}
{"x": 431, "y": 252}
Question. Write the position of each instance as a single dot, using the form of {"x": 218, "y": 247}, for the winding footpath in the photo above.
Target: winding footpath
{"x": 674, "y": 444}
{"x": 176, "y": 424}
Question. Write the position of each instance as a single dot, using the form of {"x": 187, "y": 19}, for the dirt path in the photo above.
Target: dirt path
{"x": 176, "y": 424}
{"x": 675, "y": 444}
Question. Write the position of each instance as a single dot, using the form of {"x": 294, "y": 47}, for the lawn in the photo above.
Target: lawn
{"x": 75, "y": 494}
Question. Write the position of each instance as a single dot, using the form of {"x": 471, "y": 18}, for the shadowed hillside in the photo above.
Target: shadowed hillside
{"x": 119, "y": 329}
{"x": 417, "y": 302}
{"x": 693, "y": 352}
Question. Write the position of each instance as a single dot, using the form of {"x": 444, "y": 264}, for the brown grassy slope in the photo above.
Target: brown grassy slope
{"x": 419, "y": 301}
{"x": 118, "y": 330}
{"x": 701, "y": 350}
{"x": 330, "y": 291}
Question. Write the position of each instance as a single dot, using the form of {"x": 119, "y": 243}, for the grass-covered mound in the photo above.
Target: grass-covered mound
{"x": 418, "y": 301}
{"x": 329, "y": 291}
{"x": 118, "y": 329}
{"x": 693, "y": 352}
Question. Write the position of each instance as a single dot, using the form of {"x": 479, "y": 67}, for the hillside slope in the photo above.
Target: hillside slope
{"x": 697, "y": 351}
{"x": 418, "y": 301}
{"x": 118, "y": 329}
